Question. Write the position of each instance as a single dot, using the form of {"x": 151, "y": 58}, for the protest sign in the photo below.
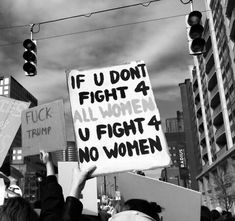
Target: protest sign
{"x": 89, "y": 193}
{"x": 43, "y": 127}
{"x": 2, "y": 191}
{"x": 10, "y": 120}
{"x": 179, "y": 203}
{"x": 116, "y": 120}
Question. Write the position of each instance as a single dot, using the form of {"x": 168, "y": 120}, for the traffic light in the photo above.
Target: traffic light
{"x": 194, "y": 33}
{"x": 30, "y": 56}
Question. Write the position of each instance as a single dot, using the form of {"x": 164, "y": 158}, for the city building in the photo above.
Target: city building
{"x": 175, "y": 124}
{"x": 177, "y": 173}
{"x": 214, "y": 104}
{"x": 69, "y": 154}
{"x": 190, "y": 130}
{"x": 230, "y": 21}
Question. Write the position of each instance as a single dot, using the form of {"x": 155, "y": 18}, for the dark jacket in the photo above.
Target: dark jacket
{"x": 53, "y": 207}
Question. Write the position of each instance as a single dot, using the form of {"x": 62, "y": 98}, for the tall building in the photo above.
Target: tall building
{"x": 177, "y": 173}
{"x": 214, "y": 102}
{"x": 175, "y": 125}
{"x": 230, "y": 21}
{"x": 190, "y": 130}
{"x": 71, "y": 151}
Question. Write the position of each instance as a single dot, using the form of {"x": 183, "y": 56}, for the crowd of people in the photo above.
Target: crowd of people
{"x": 53, "y": 207}
{"x": 215, "y": 214}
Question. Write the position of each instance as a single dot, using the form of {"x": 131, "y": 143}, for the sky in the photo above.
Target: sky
{"x": 155, "y": 34}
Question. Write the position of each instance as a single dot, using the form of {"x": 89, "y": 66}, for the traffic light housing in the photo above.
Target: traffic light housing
{"x": 30, "y": 57}
{"x": 194, "y": 33}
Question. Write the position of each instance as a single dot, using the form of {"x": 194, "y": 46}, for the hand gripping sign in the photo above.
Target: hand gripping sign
{"x": 116, "y": 121}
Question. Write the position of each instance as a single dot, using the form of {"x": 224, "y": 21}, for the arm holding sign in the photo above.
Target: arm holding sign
{"x": 79, "y": 180}
{"x": 53, "y": 207}
{"x": 52, "y": 200}
{"x": 46, "y": 159}
{"x": 73, "y": 206}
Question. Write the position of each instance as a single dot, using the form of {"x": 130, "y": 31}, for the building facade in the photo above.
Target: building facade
{"x": 176, "y": 124}
{"x": 230, "y": 21}
{"x": 214, "y": 104}
{"x": 190, "y": 130}
{"x": 177, "y": 173}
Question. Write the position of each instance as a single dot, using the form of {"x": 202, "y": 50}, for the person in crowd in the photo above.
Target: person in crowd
{"x": 205, "y": 214}
{"x": 52, "y": 201}
{"x": 117, "y": 206}
{"x": 229, "y": 219}
{"x": 17, "y": 209}
{"x": 226, "y": 214}
{"x": 139, "y": 209}
{"x": 215, "y": 214}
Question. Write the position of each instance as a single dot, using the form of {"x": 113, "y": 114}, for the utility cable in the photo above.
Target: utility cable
{"x": 100, "y": 29}
{"x": 145, "y": 4}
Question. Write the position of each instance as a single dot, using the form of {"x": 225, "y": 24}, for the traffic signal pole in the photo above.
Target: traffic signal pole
{"x": 195, "y": 61}
{"x": 31, "y": 31}
{"x": 218, "y": 75}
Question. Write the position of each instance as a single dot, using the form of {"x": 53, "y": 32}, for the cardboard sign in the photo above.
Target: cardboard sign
{"x": 89, "y": 193}
{"x": 10, "y": 120}
{"x": 2, "y": 191}
{"x": 43, "y": 127}
{"x": 179, "y": 203}
{"x": 116, "y": 121}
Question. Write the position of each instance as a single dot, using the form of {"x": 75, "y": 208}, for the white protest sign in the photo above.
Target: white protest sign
{"x": 43, "y": 127}
{"x": 10, "y": 120}
{"x": 2, "y": 191}
{"x": 89, "y": 193}
{"x": 116, "y": 120}
{"x": 179, "y": 203}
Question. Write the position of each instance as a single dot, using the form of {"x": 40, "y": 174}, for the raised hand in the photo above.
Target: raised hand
{"x": 79, "y": 180}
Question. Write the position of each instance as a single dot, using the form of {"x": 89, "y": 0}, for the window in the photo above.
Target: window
{"x": 17, "y": 157}
{"x": 19, "y": 151}
{"x": 6, "y": 80}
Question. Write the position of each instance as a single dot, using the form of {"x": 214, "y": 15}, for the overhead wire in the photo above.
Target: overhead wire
{"x": 89, "y": 14}
{"x": 109, "y": 27}
{"x": 100, "y": 29}
{"x": 13, "y": 27}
